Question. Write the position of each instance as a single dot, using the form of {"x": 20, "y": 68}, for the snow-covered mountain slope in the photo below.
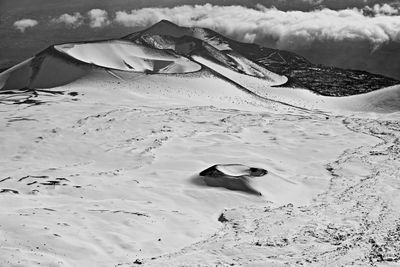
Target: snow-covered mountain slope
{"x": 170, "y": 49}
{"x": 167, "y": 28}
{"x": 104, "y": 173}
{"x": 46, "y": 70}
{"x": 112, "y": 164}
{"x": 204, "y": 42}
{"x": 61, "y": 64}
{"x": 302, "y": 73}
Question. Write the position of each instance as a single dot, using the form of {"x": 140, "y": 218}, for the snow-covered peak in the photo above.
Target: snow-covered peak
{"x": 167, "y": 28}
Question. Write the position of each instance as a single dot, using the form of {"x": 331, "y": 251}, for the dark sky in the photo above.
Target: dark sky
{"x": 17, "y": 46}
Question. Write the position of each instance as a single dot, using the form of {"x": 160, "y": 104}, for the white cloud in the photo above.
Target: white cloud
{"x": 290, "y": 29}
{"x": 385, "y": 9}
{"x": 23, "y": 24}
{"x": 98, "y": 18}
{"x": 74, "y": 20}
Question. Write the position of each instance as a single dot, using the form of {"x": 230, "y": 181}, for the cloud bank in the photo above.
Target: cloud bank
{"x": 23, "y": 24}
{"x": 289, "y": 29}
{"x": 384, "y": 9}
{"x": 75, "y": 20}
{"x": 377, "y": 25}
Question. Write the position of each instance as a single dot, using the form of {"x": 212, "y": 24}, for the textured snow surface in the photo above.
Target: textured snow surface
{"x": 123, "y": 55}
{"x": 385, "y": 100}
{"x": 65, "y": 63}
{"x": 215, "y": 41}
{"x": 106, "y": 148}
{"x": 102, "y": 175}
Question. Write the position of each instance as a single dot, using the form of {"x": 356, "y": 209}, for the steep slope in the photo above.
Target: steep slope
{"x": 47, "y": 69}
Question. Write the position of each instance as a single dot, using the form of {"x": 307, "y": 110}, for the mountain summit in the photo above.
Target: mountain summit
{"x": 163, "y": 27}
{"x": 168, "y": 48}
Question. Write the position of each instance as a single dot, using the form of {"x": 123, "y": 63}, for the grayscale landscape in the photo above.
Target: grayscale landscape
{"x": 177, "y": 144}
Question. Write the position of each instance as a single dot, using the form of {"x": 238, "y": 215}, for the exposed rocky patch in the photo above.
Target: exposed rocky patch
{"x": 232, "y": 176}
{"x": 34, "y": 97}
{"x": 324, "y": 80}
{"x": 34, "y": 184}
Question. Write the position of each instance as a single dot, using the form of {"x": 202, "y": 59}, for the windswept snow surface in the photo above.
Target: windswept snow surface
{"x": 102, "y": 167}
{"x": 103, "y": 175}
{"x": 247, "y": 81}
{"x": 385, "y": 100}
{"x": 127, "y": 56}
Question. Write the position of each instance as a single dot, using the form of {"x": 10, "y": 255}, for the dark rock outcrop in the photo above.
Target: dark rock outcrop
{"x": 232, "y": 177}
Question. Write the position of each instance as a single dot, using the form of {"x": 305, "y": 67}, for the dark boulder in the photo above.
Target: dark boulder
{"x": 232, "y": 177}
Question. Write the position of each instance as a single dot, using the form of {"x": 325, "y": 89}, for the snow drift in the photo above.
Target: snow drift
{"x": 127, "y": 56}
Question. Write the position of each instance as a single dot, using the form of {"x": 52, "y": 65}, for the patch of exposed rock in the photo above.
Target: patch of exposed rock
{"x": 232, "y": 176}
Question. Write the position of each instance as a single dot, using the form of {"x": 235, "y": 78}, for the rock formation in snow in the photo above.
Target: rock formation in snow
{"x": 232, "y": 176}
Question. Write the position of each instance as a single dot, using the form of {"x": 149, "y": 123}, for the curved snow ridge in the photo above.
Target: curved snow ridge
{"x": 252, "y": 69}
{"x": 233, "y": 170}
{"x": 385, "y": 100}
{"x": 248, "y": 80}
{"x": 127, "y": 56}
